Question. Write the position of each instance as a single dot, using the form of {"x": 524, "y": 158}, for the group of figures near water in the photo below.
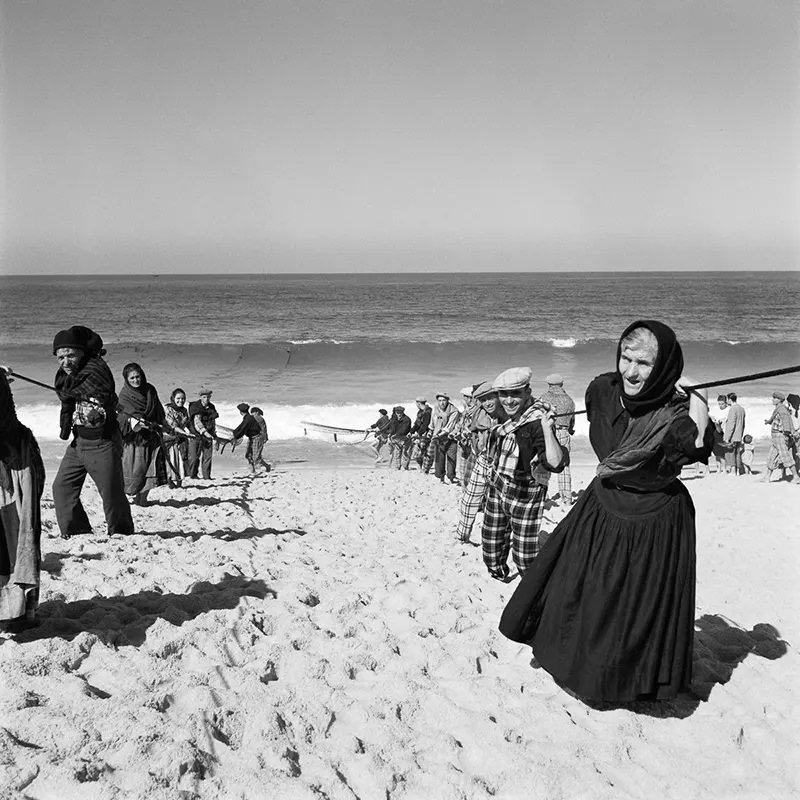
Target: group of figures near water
{"x": 606, "y": 603}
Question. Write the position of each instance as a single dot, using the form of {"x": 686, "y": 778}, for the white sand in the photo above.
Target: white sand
{"x": 320, "y": 634}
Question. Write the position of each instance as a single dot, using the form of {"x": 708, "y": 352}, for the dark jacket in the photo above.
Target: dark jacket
{"x": 423, "y": 421}
{"x": 207, "y": 414}
{"x": 399, "y": 427}
{"x": 247, "y": 427}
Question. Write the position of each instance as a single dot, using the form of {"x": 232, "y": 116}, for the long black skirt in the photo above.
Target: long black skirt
{"x": 608, "y": 605}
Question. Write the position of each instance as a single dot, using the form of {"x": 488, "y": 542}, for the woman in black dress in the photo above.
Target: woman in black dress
{"x": 608, "y": 605}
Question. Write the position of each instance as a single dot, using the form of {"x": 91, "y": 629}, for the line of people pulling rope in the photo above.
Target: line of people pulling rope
{"x": 132, "y": 443}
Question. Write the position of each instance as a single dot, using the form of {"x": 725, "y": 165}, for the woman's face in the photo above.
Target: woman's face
{"x": 635, "y": 365}
{"x": 69, "y": 359}
{"x": 134, "y": 378}
{"x": 180, "y": 399}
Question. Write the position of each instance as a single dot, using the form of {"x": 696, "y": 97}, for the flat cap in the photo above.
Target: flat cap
{"x": 204, "y": 390}
{"x": 399, "y": 408}
{"x": 483, "y": 390}
{"x": 779, "y": 396}
{"x": 466, "y": 391}
{"x": 513, "y": 378}
{"x": 420, "y": 399}
{"x": 442, "y": 395}
{"x": 554, "y": 379}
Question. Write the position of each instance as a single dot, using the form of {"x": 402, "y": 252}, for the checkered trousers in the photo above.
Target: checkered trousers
{"x": 564, "y": 477}
{"x": 511, "y": 521}
{"x": 472, "y": 497}
{"x": 780, "y": 454}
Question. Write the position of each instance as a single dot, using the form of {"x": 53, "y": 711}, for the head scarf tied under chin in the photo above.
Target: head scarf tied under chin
{"x": 143, "y": 400}
{"x": 659, "y": 387}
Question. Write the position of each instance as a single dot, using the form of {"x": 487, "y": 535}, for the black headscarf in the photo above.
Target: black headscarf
{"x": 141, "y": 400}
{"x": 659, "y": 387}
{"x": 82, "y": 338}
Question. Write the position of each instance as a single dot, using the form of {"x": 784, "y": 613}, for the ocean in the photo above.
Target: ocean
{"x": 334, "y": 348}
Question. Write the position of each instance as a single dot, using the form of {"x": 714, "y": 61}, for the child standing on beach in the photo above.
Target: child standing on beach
{"x": 749, "y": 454}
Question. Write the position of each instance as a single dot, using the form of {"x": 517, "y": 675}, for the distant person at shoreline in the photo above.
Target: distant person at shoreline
{"x": 793, "y": 402}
{"x": 719, "y": 418}
{"x": 523, "y": 451}
{"x": 250, "y": 428}
{"x": 564, "y": 416}
{"x": 748, "y": 453}
{"x": 260, "y": 441}
{"x": 443, "y": 442}
{"x": 379, "y": 429}
{"x": 87, "y": 391}
{"x": 202, "y": 422}
{"x": 141, "y": 416}
{"x": 22, "y": 479}
{"x": 734, "y": 431}
{"x": 176, "y": 441}
{"x": 780, "y": 456}
{"x": 608, "y": 606}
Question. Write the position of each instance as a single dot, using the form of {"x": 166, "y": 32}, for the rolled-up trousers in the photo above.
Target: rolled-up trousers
{"x": 444, "y": 459}
{"x": 101, "y": 459}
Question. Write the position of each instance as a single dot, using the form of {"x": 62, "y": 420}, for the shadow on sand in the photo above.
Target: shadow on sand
{"x": 719, "y": 647}
{"x": 124, "y": 620}
{"x": 202, "y": 501}
{"x": 228, "y": 536}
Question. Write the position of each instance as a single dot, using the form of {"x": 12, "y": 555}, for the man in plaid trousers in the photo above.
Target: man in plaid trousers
{"x": 522, "y": 451}
{"x": 489, "y": 414}
{"x": 564, "y": 413}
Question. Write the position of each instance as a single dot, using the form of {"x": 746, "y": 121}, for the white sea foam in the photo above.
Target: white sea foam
{"x": 320, "y": 341}
{"x": 568, "y": 342}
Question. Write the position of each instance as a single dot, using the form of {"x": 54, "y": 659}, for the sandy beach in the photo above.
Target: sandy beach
{"x": 319, "y": 633}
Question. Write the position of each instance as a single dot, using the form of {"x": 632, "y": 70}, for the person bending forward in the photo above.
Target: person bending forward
{"x": 608, "y": 605}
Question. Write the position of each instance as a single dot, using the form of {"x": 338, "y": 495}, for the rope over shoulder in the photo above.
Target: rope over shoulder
{"x": 755, "y": 376}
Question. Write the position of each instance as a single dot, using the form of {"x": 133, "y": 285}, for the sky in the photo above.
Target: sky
{"x": 164, "y": 136}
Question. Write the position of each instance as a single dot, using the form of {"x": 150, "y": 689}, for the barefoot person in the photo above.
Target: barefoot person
{"x": 140, "y": 415}
{"x": 523, "y": 452}
{"x": 85, "y": 385}
{"x": 608, "y": 606}
{"x": 21, "y": 485}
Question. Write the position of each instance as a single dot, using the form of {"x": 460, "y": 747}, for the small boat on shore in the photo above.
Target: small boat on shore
{"x": 333, "y": 430}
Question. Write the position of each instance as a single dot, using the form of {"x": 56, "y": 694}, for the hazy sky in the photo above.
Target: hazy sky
{"x": 276, "y": 134}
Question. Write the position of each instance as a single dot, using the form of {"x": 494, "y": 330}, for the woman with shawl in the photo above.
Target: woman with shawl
{"x": 608, "y": 605}
{"x": 21, "y": 484}
{"x": 177, "y": 441}
{"x": 140, "y": 415}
